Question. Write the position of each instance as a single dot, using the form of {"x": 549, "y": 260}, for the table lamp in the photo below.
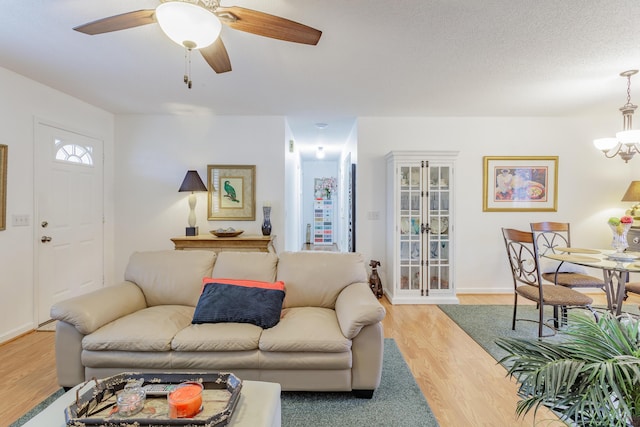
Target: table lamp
{"x": 633, "y": 195}
{"x": 193, "y": 183}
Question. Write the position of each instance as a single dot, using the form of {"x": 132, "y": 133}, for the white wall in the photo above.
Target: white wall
{"x": 153, "y": 153}
{"x": 292, "y": 202}
{"x": 589, "y": 185}
{"x": 21, "y": 102}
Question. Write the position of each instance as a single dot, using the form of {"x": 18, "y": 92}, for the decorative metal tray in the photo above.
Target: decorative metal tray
{"x": 97, "y": 406}
{"x": 227, "y": 233}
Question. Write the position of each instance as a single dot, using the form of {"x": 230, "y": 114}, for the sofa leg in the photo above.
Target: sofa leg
{"x": 363, "y": 394}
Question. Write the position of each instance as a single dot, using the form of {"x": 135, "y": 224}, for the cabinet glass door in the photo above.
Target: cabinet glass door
{"x": 410, "y": 221}
{"x": 438, "y": 240}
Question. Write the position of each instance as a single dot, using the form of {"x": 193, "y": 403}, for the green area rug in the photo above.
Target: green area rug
{"x": 397, "y": 402}
{"x": 486, "y": 323}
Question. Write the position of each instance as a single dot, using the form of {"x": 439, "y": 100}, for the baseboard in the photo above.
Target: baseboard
{"x": 484, "y": 290}
{"x": 49, "y": 326}
{"x": 16, "y": 333}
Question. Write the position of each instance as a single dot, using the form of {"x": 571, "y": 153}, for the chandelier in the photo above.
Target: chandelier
{"x": 626, "y": 142}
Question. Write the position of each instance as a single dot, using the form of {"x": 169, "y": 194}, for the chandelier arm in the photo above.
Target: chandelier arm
{"x": 627, "y": 145}
{"x": 610, "y": 154}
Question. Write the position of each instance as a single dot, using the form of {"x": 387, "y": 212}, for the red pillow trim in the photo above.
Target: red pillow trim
{"x": 278, "y": 286}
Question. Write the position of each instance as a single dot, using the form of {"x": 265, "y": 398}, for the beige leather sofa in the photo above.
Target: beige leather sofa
{"x": 329, "y": 337}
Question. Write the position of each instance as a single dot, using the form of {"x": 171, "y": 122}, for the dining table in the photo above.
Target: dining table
{"x": 615, "y": 266}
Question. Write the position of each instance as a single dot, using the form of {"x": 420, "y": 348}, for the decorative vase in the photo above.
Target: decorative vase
{"x": 266, "y": 224}
{"x": 328, "y": 194}
{"x": 619, "y": 242}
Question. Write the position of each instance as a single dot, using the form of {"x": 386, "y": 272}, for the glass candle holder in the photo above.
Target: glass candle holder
{"x": 186, "y": 400}
{"x": 131, "y": 401}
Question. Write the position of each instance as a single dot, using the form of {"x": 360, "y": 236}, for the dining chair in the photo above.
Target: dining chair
{"x": 549, "y": 236}
{"x": 523, "y": 259}
{"x": 633, "y": 287}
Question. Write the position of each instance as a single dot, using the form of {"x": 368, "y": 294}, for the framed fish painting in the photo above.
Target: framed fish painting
{"x": 232, "y": 192}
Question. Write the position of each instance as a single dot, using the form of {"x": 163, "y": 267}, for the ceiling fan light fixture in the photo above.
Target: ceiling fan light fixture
{"x": 188, "y": 24}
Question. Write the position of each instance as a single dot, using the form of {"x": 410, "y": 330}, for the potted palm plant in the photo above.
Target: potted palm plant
{"x": 590, "y": 377}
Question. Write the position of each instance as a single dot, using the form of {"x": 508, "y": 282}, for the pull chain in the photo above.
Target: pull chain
{"x": 187, "y": 67}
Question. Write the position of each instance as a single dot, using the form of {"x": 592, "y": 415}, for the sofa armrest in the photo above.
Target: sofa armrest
{"x": 357, "y": 307}
{"x": 91, "y": 311}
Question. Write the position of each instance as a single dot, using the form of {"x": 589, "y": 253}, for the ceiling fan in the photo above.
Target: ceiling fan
{"x": 196, "y": 24}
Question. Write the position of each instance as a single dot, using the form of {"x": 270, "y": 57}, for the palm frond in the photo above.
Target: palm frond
{"x": 591, "y": 377}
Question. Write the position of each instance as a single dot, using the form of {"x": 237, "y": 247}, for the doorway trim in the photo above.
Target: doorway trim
{"x": 37, "y": 121}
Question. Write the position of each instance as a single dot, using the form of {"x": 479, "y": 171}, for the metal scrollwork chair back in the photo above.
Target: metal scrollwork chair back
{"x": 549, "y": 236}
{"x": 523, "y": 260}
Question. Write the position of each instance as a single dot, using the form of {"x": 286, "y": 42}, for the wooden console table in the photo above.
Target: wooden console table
{"x": 218, "y": 244}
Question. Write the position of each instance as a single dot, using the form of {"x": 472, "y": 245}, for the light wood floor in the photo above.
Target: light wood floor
{"x": 462, "y": 383}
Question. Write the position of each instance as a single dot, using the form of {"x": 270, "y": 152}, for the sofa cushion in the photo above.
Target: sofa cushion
{"x": 315, "y": 279}
{"x": 246, "y": 265}
{"x": 305, "y": 329}
{"x": 170, "y": 277}
{"x": 150, "y": 329}
{"x": 242, "y": 301}
{"x": 217, "y": 337}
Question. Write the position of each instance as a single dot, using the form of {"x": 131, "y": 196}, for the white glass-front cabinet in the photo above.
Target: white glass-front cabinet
{"x": 420, "y": 229}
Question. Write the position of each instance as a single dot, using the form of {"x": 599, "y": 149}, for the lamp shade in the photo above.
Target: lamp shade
{"x": 631, "y": 136}
{"x": 188, "y": 24}
{"x": 605, "y": 144}
{"x": 633, "y": 192}
{"x": 192, "y": 182}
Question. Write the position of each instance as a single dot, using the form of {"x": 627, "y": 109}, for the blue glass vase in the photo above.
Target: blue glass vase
{"x": 266, "y": 223}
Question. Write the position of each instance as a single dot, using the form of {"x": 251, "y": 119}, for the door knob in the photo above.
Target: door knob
{"x": 45, "y": 239}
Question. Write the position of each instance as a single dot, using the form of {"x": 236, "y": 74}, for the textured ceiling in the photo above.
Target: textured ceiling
{"x": 375, "y": 58}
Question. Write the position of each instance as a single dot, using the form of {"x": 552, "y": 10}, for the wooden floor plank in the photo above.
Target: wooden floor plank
{"x": 462, "y": 383}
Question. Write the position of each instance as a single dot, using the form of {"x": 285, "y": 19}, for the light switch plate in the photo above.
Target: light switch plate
{"x": 23, "y": 220}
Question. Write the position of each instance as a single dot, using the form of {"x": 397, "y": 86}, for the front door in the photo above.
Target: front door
{"x": 68, "y": 216}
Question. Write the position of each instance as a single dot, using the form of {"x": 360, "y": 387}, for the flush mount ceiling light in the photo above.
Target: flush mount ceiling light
{"x": 320, "y": 153}
{"x": 188, "y": 24}
{"x": 626, "y": 142}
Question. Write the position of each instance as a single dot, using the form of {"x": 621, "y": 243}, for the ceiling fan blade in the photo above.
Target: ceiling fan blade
{"x": 263, "y": 24}
{"x": 118, "y": 22}
{"x": 216, "y": 56}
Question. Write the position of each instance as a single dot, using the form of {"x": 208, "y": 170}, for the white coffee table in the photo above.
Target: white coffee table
{"x": 259, "y": 406}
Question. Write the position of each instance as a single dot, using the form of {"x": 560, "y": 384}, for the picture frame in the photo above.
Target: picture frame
{"x": 4, "y": 153}
{"x": 520, "y": 184}
{"x": 232, "y": 192}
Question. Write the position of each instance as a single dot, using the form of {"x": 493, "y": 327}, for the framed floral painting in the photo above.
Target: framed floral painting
{"x": 520, "y": 184}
